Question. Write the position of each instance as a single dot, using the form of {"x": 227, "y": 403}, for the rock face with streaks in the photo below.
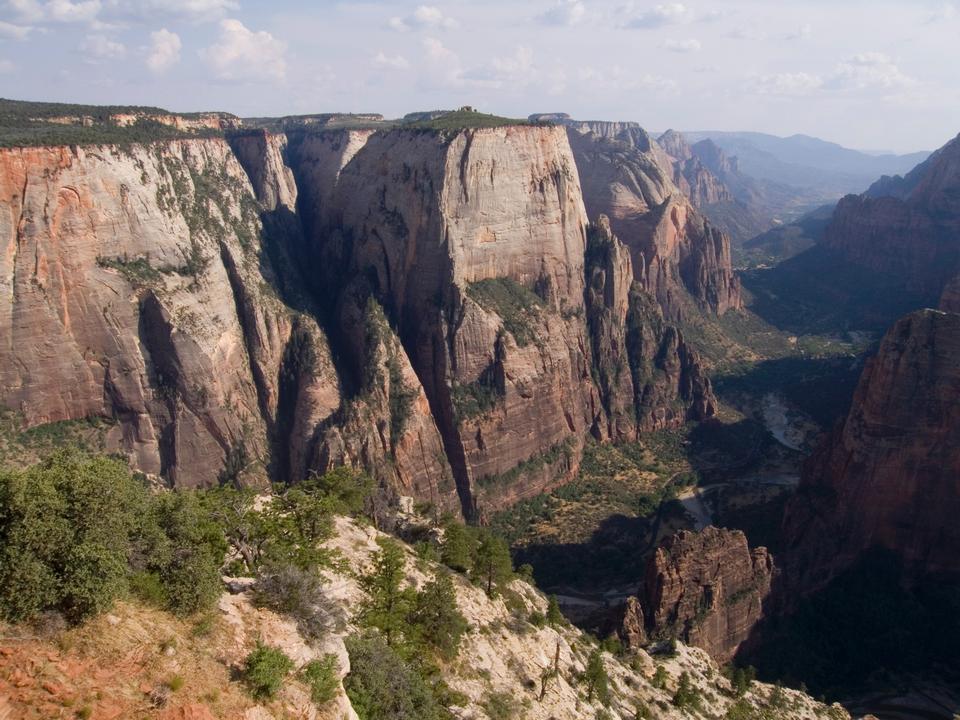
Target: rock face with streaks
{"x": 131, "y": 291}
{"x": 889, "y": 475}
{"x": 474, "y": 242}
{"x": 648, "y": 377}
{"x": 707, "y": 589}
{"x": 419, "y": 304}
{"x": 678, "y": 257}
{"x": 905, "y": 230}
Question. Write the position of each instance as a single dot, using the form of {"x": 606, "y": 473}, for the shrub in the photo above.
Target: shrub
{"x": 659, "y": 680}
{"x": 381, "y": 686}
{"x": 322, "y": 678}
{"x": 186, "y": 553}
{"x": 596, "y": 678}
{"x": 687, "y": 696}
{"x": 298, "y": 593}
{"x": 501, "y": 706}
{"x": 265, "y": 670}
{"x": 386, "y": 605}
{"x": 554, "y": 616}
{"x": 741, "y": 679}
{"x": 66, "y": 526}
{"x": 492, "y": 565}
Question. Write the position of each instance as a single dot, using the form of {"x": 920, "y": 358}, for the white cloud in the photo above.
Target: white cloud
{"x": 164, "y": 51}
{"x": 100, "y": 47}
{"x": 6, "y": 67}
{"x": 424, "y": 17}
{"x": 443, "y": 65}
{"x": 870, "y": 70}
{"x": 394, "y": 62}
{"x": 682, "y": 46}
{"x": 663, "y": 15}
{"x": 243, "y": 55}
{"x": 513, "y": 71}
{"x": 799, "y": 83}
{"x": 945, "y": 13}
{"x": 190, "y": 9}
{"x": 801, "y": 33}
{"x": 566, "y": 13}
{"x": 617, "y": 79}
{"x": 56, "y": 11}
{"x": 17, "y": 32}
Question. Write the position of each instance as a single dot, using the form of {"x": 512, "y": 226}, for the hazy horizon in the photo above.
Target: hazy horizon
{"x": 869, "y": 76}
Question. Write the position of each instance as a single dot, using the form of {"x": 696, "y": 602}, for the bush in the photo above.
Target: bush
{"x": 381, "y": 686}
{"x": 456, "y": 550}
{"x": 492, "y": 564}
{"x": 265, "y": 670}
{"x": 186, "y": 552}
{"x": 596, "y": 678}
{"x": 555, "y": 618}
{"x": 298, "y": 593}
{"x": 66, "y": 528}
{"x": 741, "y": 679}
{"x": 687, "y": 697}
{"x": 501, "y": 706}
{"x": 322, "y": 678}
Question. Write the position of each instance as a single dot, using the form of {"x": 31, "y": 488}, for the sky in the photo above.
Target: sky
{"x": 874, "y": 75}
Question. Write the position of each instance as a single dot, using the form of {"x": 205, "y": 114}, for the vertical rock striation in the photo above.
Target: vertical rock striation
{"x": 678, "y": 257}
{"x": 889, "y": 475}
{"x": 707, "y": 589}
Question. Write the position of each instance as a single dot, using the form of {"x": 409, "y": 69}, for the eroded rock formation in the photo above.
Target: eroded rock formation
{"x": 707, "y": 589}
{"x": 889, "y": 475}
{"x": 647, "y": 375}
{"x": 678, "y": 257}
{"x": 905, "y": 229}
{"x": 412, "y": 302}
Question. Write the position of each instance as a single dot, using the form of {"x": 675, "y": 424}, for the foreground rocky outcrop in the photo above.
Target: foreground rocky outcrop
{"x": 121, "y": 664}
{"x": 416, "y": 303}
{"x": 888, "y": 476}
{"x": 678, "y": 257}
{"x": 704, "y": 588}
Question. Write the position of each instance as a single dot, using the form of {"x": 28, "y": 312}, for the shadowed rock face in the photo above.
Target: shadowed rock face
{"x": 889, "y": 475}
{"x": 678, "y": 257}
{"x": 905, "y": 229}
{"x": 413, "y": 303}
{"x": 707, "y": 589}
{"x": 648, "y": 377}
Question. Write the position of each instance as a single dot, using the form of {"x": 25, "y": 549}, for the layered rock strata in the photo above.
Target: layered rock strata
{"x": 889, "y": 475}
{"x": 705, "y": 588}
{"x": 678, "y": 257}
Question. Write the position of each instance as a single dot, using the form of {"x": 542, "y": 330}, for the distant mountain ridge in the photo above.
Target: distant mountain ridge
{"x": 806, "y": 161}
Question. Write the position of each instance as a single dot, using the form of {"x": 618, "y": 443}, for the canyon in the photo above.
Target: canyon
{"x": 467, "y": 312}
{"x": 415, "y": 303}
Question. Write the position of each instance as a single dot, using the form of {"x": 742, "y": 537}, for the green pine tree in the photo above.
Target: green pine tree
{"x": 456, "y": 550}
{"x": 437, "y": 618}
{"x": 387, "y": 604}
{"x": 492, "y": 565}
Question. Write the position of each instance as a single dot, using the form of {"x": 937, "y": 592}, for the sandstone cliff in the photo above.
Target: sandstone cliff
{"x": 706, "y": 589}
{"x": 888, "y": 475}
{"x": 678, "y": 257}
{"x": 905, "y": 232}
{"x": 648, "y": 377}
{"x": 412, "y": 302}
{"x": 131, "y": 290}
